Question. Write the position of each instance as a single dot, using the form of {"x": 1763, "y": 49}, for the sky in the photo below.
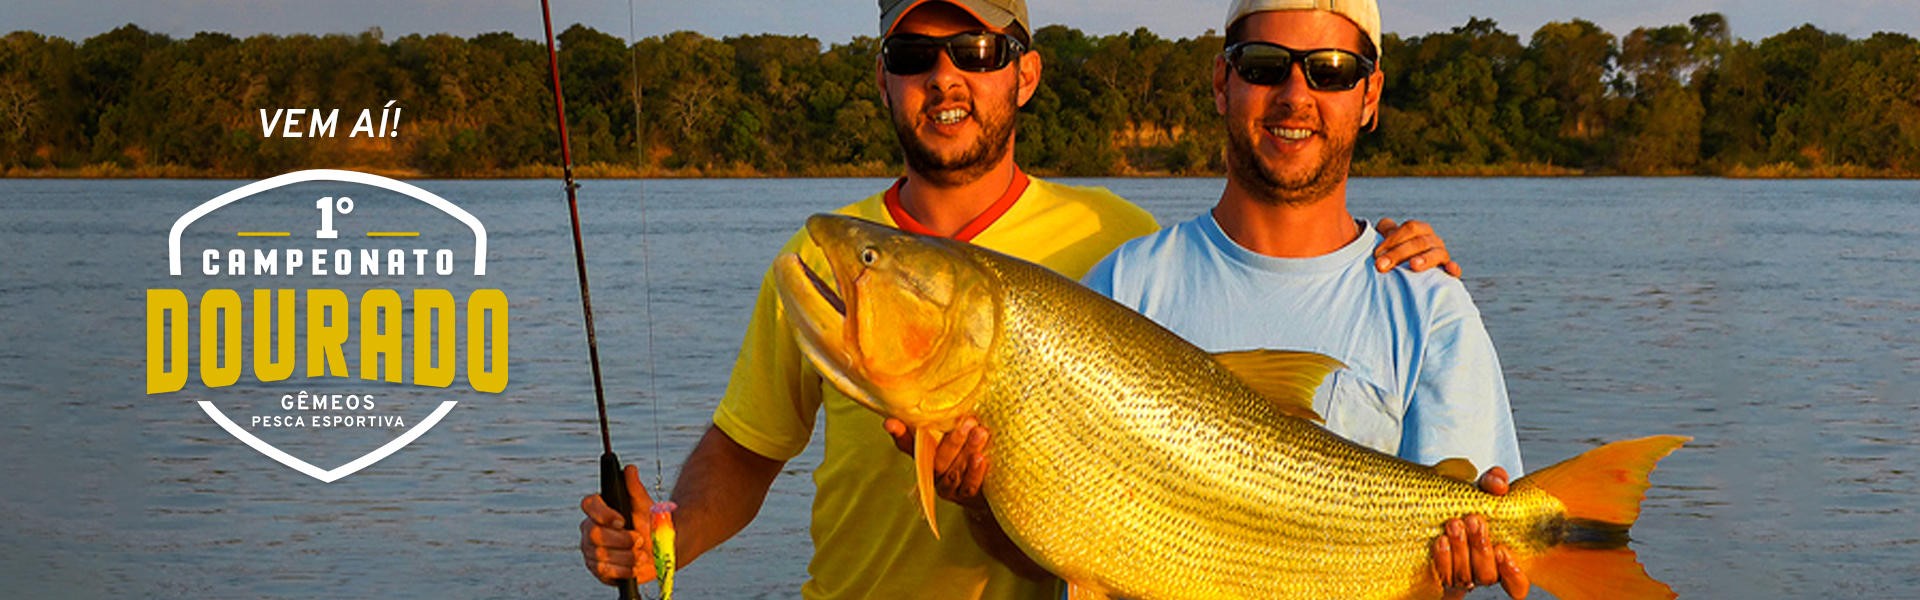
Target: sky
{"x": 833, "y": 21}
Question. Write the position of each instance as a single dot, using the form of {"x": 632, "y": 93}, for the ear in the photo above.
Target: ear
{"x": 1030, "y": 68}
{"x": 1220, "y": 74}
{"x": 1370, "y": 107}
{"x": 880, "y": 81}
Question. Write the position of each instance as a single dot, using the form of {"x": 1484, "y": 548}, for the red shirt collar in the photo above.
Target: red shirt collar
{"x": 979, "y": 223}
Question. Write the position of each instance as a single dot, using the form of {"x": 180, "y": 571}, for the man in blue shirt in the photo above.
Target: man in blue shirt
{"x": 1281, "y": 263}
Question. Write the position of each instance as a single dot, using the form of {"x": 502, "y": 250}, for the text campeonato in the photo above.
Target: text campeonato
{"x": 322, "y": 262}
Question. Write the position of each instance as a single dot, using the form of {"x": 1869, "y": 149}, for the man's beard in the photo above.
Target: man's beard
{"x": 996, "y": 128}
{"x": 1245, "y": 167}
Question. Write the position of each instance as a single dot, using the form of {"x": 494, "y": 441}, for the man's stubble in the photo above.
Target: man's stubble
{"x": 996, "y": 129}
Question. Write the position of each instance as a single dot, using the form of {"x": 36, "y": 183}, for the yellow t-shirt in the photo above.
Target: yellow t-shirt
{"x": 868, "y": 536}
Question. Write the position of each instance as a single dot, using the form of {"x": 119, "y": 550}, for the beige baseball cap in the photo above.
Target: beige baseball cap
{"x": 1364, "y": 13}
{"x": 998, "y": 14}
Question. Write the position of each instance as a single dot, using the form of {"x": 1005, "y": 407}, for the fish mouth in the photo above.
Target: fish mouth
{"x": 821, "y": 327}
{"x": 817, "y": 313}
{"x": 826, "y": 292}
{"x": 879, "y": 330}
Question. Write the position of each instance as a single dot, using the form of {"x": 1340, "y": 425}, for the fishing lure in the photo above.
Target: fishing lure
{"x": 663, "y": 558}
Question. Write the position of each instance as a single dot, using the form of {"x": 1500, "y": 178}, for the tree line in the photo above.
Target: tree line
{"x": 1571, "y": 98}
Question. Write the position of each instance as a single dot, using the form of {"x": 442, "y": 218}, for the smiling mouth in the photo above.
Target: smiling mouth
{"x": 1290, "y": 134}
{"x": 950, "y": 116}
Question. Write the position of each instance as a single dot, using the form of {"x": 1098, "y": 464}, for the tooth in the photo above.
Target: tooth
{"x": 950, "y": 116}
{"x": 1290, "y": 134}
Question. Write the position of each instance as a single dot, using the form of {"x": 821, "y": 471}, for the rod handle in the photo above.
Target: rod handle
{"x": 613, "y": 490}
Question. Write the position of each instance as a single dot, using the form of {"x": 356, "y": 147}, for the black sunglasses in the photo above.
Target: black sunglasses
{"x": 980, "y": 52}
{"x": 1327, "y": 69}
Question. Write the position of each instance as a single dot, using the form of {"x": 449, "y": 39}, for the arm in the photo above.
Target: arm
{"x": 1457, "y": 400}
{"x": 720, "y": 489}
{"x": 767, "y": 411}
{"x": 1460, "y": 409}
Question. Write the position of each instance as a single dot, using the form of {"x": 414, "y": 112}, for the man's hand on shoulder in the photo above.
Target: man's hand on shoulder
{"x": 959, "y": 462}
{"x": 1413, "y": 244}
{"x": 1465, "y": 556}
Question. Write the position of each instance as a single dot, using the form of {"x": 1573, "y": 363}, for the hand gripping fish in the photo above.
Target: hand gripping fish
{"x": 1134, "y": 464}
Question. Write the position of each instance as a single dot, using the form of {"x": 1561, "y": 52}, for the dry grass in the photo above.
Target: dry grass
{"x": 1372, "y": 169}
{"x": 114, "y": 171}
{"x": 1787, "y": 170}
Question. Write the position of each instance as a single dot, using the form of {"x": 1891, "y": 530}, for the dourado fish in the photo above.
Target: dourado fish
{"x": 1133, "y": 464}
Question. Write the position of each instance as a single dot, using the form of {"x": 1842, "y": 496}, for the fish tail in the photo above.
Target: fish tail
{"x": 1601, "y": 489}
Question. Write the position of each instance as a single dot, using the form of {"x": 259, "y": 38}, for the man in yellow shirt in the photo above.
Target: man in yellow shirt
{"x": 953, "y": 74}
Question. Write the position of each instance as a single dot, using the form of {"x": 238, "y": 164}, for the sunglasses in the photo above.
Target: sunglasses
{"x": 980, "y": 52}
{"x": 1327, "y": 69}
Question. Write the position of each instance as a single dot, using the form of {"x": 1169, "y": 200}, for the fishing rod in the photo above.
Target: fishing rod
{"x": 613, "y": 489}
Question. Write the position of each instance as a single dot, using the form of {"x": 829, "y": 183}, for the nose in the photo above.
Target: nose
{"x": 943, "y": 74}
{"x": 1293, "y": 92}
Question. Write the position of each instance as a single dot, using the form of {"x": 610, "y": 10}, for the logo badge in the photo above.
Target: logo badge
{"x": 365, "y": 294}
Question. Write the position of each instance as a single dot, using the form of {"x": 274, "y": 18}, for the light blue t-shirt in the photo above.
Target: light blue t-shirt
{"x": 1422, "y": 381}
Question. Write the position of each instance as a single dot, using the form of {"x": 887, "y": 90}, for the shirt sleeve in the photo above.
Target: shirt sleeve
{"x": 1459, "y": 407}
{"x": 1101, "y": 277}
{"x": 773, "y": 395}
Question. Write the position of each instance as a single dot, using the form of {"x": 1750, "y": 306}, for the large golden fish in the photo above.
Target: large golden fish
{"x": 1131, "y": 463}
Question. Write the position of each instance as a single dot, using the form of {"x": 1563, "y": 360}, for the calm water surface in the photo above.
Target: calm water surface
{"x": 1776, "y": 322}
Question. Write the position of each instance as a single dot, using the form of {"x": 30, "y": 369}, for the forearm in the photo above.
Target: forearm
{"x": 720, "y": 490}
{"x": 1460, "y": 408}
{"x": 988, "y": 534}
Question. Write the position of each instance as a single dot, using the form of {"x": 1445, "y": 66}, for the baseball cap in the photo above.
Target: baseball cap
{"x": 998, "y": 14}
{"x": 1364, "y": 13}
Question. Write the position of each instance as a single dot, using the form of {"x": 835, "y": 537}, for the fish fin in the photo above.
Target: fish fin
{"x": 1286, "y": 377}
{"x": 1602, "y": 489}
{"x": 1457, "y": 468}
{"x": 1575, "y": 573}
{"x": 1605, "y": 484}
{"x": 1078, "y": 592}
{"x": 924, "y": 443}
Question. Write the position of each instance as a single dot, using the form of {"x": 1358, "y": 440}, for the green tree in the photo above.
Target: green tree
{"x": 1791, "y": 63}
{"x": 1443, "y": 97}
{"x": 1678, "y": 98}
{"x": 1661, "y": 132}
{"x": 1575, "y": 58}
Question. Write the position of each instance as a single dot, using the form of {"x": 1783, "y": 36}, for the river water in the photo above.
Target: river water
{"x": 1776, "y": 322}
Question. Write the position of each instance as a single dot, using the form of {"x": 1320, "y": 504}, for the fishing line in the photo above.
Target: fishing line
{"x": 646, "y": 252}
{"x": 665, "y": 563}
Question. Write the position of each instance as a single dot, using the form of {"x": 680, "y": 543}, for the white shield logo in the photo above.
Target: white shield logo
{"x": 233, "y": 428}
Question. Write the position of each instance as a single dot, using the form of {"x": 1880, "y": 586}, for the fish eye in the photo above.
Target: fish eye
{"x": 869, "y": 256}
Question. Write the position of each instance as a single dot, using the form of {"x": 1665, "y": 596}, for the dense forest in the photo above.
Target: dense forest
{"x": 1570, "y": 99}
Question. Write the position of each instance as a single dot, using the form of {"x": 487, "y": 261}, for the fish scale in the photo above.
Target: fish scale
{"x": 1166, "y": 496}
{"x": 1132, "y": 463}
